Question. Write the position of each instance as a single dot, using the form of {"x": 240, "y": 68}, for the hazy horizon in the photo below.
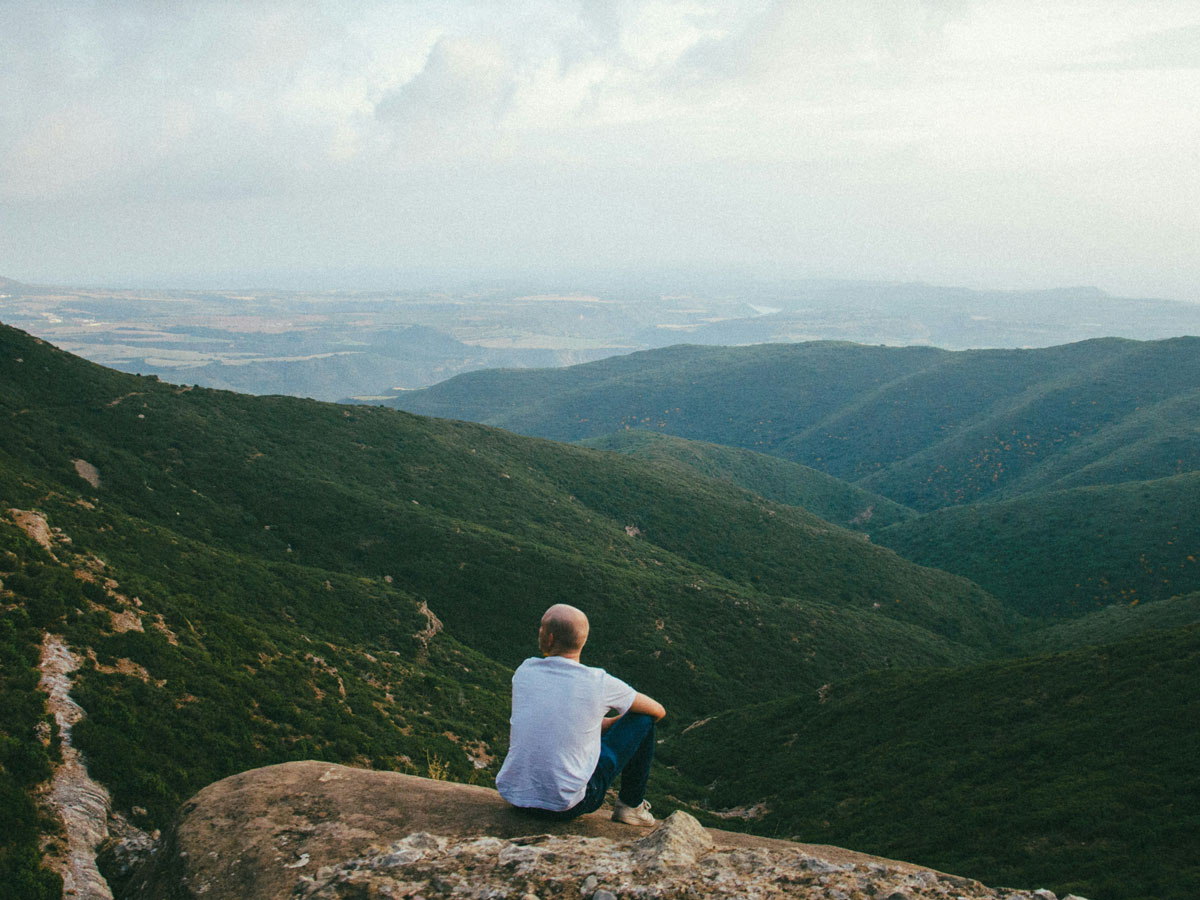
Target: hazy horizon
{"x": 989, "y": 145}
{"x": 576, "y": 281}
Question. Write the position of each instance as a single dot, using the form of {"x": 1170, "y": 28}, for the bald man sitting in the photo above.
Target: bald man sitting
{"x": 564, "y": 747}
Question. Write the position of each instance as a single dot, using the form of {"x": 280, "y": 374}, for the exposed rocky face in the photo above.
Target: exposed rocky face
{"x": 316, "y": 831}
{"x": 90, "y": 827}
{"x": 678, "y": 860}
{"x": 78, "y": 802}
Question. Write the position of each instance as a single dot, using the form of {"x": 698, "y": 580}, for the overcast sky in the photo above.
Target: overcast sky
{"x": 1000, "y": 143}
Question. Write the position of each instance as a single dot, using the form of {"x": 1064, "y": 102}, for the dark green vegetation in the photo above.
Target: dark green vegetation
{"x": 1058, "y": 478}
{"x": 1064, "y": 481}
{"x": 1063, "y": 552}
{"x": 769, "y": 476}
{"x": 250, "y": 580}
{"x": 1070, "y": 770}
{"x": 925, "y": 427}
{"x": 28, "y": 738}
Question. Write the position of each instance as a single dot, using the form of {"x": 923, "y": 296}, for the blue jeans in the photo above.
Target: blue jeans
{"x": 626, "y": 749}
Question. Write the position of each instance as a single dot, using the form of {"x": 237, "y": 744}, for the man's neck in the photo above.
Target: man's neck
{"x": 572, "y": 655}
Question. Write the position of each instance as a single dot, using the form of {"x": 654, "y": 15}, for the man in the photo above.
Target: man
{"x": 564, "y": 749}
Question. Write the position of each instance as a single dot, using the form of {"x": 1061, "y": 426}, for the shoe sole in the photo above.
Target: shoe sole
{"x": 640, "y": 822}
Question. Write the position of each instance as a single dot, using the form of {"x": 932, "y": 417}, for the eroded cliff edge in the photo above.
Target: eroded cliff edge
{"x": 318, "y": 830}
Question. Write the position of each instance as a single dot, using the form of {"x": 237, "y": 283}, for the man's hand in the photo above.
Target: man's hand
{"x": 607, "y": 723}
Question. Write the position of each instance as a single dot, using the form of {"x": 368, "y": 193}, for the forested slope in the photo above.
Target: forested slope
{"x": 1066, "y": 552}
{"x": 924, "y": 427}
{"x": 769, "y": 476}
{"x": 249, "y": 580}
{"x": 1072, "y": 770}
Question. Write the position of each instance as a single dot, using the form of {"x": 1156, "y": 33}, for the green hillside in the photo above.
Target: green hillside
{"x": 256, "y": 579}
{"x": 769, "y": 476}
{"x": 1112, "y": 623}
{"x": 927, "y": 428}
{"x": 252, "y": 579}
{"x": 752, "y": 397}
{"x": 1074, "y": 771}
{"x": 1065, "y": 552}
{"x": 1068, "y": 422}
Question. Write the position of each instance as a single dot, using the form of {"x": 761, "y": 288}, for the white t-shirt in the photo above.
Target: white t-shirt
{"x": 554, "y": 734}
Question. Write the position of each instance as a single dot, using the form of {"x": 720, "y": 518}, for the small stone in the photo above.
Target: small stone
{"x": 422, "y": 840}
{"x": 484, "y": 846}
{"x": 1043, "y": 894}
{"x": 676, "y": 842}
{"x": 604, "y": 895}
{"x": 589, "y": 885}
{"x": 519, "y": 856}
{"x": 957, "y": 882}
{"x": 400, "y": 858}
{"x": 822, "y": 866}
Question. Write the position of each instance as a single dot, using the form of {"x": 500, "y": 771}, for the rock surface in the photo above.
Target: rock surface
{"x": 322, "y": 831}
{"x": 78, "y": 802}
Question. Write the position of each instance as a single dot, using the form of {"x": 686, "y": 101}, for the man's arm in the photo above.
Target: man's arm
{"x": 641, "y": 704}
{"x": 649, "y": 706}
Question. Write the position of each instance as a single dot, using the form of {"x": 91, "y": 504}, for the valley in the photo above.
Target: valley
{"x": 249, "y": 580}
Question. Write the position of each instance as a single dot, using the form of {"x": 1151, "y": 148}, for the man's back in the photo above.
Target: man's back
{"x": 558, "y": 706}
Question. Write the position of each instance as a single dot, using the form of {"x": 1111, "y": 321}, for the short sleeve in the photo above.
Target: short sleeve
{"x": 617, "y": 694}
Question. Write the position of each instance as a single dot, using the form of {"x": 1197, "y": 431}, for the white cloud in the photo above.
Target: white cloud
{"x": 942, "y": 140}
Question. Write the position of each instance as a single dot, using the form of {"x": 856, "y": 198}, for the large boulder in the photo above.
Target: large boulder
{"x": 313, "y": 829}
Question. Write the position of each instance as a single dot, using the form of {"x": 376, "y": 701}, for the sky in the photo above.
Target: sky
{"x": 996, "y": 144}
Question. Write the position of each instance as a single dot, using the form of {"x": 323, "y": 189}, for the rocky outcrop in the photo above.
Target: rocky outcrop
{"x": 321, "y": 831}
{"x": 78, "y": 802}
{"x": 90, "y": 827}
{"x": 679, "y": 861}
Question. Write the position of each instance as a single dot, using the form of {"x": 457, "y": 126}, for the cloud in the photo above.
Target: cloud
{"x": 867, "y": 132}
{"x": 1173, "y": 48}
{"x": 457, "y": 100}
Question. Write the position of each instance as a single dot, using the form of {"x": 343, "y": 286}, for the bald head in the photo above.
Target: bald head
{"x": 564, "y": 631}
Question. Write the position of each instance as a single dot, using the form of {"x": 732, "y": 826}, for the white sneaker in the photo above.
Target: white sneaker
{"x": 633, "y": 815}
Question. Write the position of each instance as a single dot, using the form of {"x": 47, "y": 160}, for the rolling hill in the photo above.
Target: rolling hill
{"x": 769, "y": 476}
{"x": 1058, "y": 478}
{"x": 926, "y": 428}
{"x": 1064, "y": 552}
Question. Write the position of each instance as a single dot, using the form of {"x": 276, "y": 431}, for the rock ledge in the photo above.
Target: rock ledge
{"x": 317, "y": 831}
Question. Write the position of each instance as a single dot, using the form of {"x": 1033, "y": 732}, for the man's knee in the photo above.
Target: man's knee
{"x": 637, "y": 720}
{"x": 627, "y": 734}
{"x": 643, "y": 723}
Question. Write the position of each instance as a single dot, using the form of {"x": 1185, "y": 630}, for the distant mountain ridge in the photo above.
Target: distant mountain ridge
{"x": 926, "y": 428}
{"x": 315, "y": 340}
